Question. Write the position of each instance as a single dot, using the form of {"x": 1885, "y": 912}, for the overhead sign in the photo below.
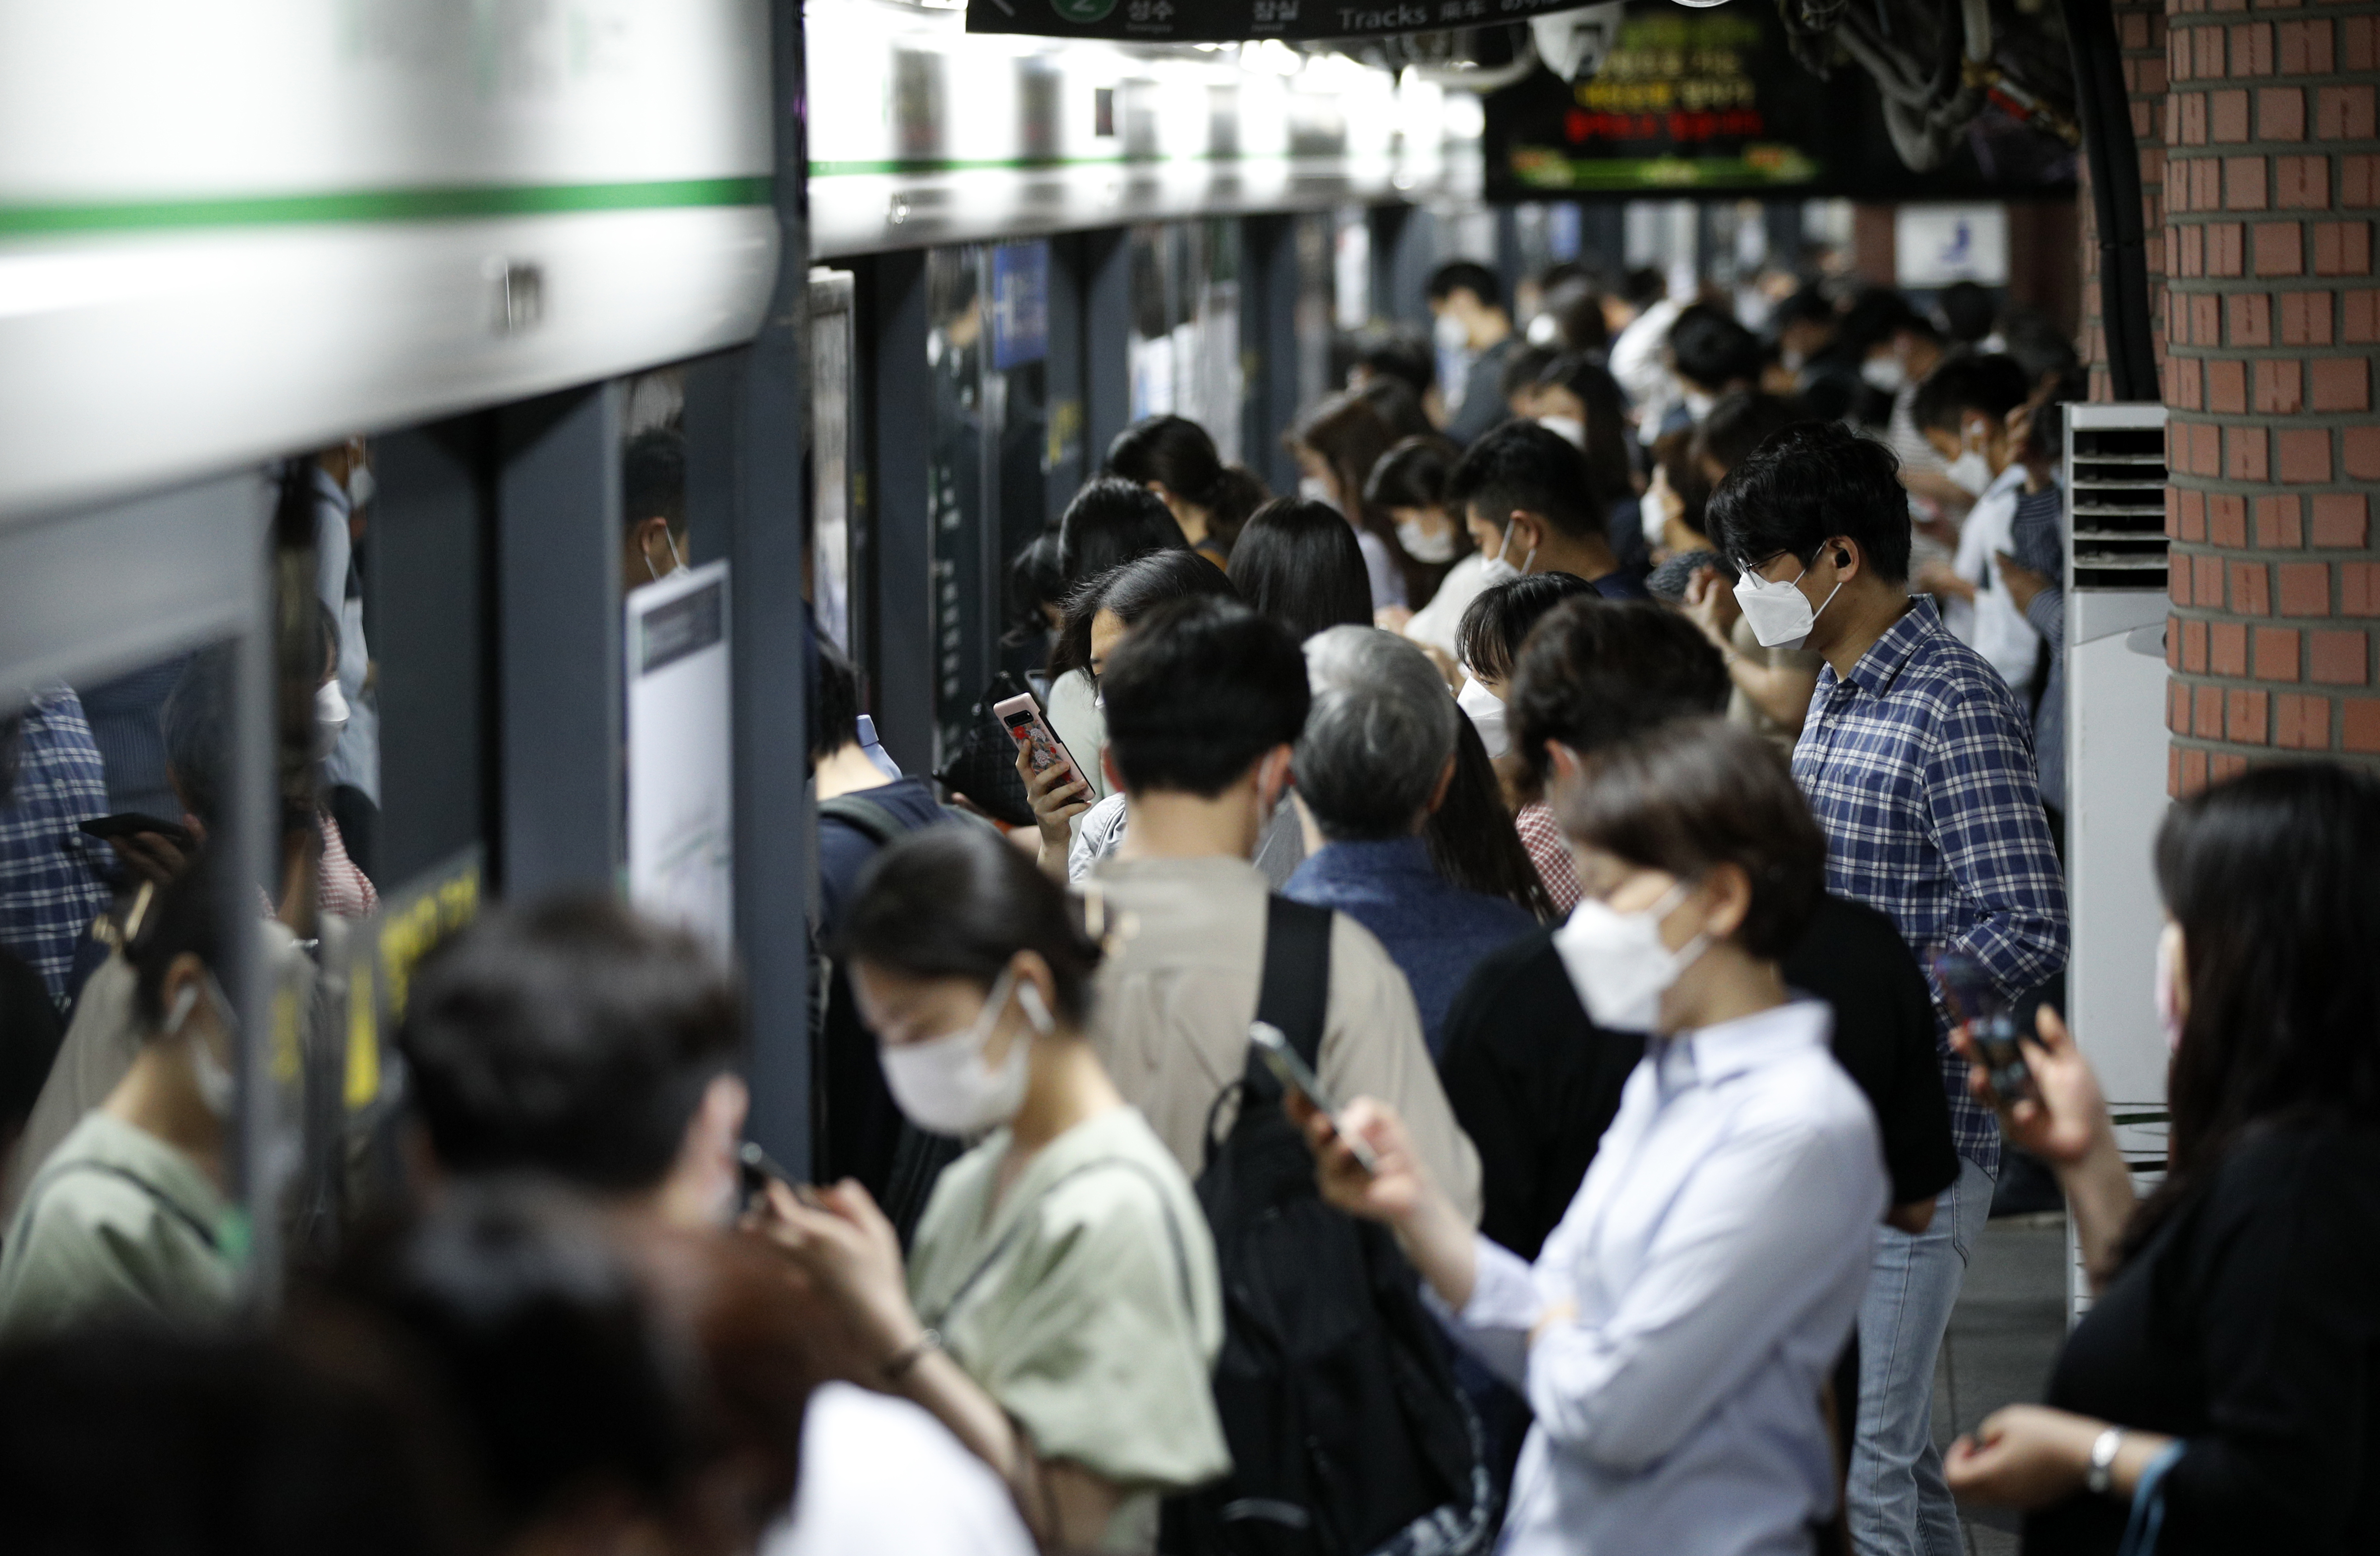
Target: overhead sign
{"x": 1231, "y": 21}
{"x": 1700, "y": 101}
{"x": 681, "y": 796}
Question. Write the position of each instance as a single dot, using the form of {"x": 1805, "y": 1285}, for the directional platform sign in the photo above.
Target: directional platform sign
{"x": 1229, "y": 21}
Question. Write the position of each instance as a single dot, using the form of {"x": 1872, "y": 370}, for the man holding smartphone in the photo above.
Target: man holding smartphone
{"x": 1918, "y": 763}
{"x": 1205, "y": 699}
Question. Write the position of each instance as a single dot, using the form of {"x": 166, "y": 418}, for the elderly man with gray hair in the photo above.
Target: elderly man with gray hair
{"x": 1376, "y": 758}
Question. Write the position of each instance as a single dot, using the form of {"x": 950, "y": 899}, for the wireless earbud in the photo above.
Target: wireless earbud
{"x": 183, "y": 1005}
{"x": 1036, "y": 1010}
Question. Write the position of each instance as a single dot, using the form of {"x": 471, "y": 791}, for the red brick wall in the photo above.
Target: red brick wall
{"x": 2270, "y": 174}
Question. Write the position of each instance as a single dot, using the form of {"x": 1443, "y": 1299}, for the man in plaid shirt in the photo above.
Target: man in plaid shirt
{"x": 51, "y": 781}
{"x": 1918, "y": 763}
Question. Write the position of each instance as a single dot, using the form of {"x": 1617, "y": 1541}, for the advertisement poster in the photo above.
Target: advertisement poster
{"x": 1713, "y": 101}
{"x": 681, "y": 779}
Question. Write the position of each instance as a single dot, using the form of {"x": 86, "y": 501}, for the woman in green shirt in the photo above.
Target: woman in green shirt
{"x": 127, "y": 1219}
{"x": 1060, "y": 1310}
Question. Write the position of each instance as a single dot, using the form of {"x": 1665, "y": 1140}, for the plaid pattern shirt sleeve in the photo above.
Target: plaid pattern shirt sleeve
{"x": 51, "y": 888}
{"x": 1920, "y": 769}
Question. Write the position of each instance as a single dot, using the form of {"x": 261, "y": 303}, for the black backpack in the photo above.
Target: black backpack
{"x": 1348, "y": 1435}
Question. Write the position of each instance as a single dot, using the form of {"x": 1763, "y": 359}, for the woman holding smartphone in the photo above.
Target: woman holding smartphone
{"x": 1060, "y": 1311}
{"x": 1675, "y": 1335}
{"x": 2223, "y": 1393}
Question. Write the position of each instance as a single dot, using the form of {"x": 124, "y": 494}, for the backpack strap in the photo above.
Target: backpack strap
{"x": 864, "y": 816}
{"x": 880, "y": 825}
{"x": 1295, "y": 993}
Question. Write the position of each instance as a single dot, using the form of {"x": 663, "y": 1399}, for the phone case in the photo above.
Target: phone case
{"x": 1021, "y": 716}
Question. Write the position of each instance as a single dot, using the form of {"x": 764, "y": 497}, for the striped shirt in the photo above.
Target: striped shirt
{"x": 1919, "y": 766}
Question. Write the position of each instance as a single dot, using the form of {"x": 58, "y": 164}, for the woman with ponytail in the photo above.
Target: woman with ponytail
{"x": 1174, "y": 458}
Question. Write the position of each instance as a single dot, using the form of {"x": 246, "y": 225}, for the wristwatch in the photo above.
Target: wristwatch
{"x": 2104, "y": 1449}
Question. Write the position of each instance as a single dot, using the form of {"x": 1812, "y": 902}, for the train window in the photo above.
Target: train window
{"x": 1351, "y": 267}
{"x": 1185, "y": 326}
{"x": 833, "y": 565}
{"x": 960, "y": 430}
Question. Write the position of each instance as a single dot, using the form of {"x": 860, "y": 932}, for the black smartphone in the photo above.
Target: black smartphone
{"x": 754, "y": 1167}
{"x": 126, "y": 823}
{"x": 1296, "y": 1074}
{"x": 1977, "y": 1006}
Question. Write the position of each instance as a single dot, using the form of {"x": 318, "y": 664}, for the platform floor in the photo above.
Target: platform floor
{"x": 2004, "y": 1336}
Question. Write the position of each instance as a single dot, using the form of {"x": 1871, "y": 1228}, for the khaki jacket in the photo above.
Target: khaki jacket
{"x": 1179, "y": 988}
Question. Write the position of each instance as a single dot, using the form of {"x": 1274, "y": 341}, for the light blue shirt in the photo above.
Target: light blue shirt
{"x": 1714, "y": 1255}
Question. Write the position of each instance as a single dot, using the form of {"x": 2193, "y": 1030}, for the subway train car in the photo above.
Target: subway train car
{"x": 333, "y": 350}
{"x": 894, "y": 284}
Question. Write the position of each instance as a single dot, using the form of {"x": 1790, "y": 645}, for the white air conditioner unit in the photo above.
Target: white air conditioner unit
{"x": 2116, "y": 764}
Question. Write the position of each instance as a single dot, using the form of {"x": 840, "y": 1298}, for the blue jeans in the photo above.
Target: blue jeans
{"x": 1899, "y": 1504}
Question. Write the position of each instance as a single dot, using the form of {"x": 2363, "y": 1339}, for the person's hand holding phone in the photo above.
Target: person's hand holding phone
{"x": 850, "y": 1252}
{"x": 150, "y": 856}
{"x": 2062, "y": 1115}
{"x": 1057, "y": 797}
{"x": 1387, "y": 1191}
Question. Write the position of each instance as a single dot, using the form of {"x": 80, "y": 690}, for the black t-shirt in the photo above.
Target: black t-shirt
{"x": 2248, "y": 1326}
{"x": 1535, "y": 1082}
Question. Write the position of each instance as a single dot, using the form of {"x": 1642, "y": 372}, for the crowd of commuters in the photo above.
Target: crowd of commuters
{"x": 1583, "y": 775}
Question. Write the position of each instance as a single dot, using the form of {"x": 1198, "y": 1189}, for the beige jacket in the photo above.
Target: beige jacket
{"x": 1179, "y": 988}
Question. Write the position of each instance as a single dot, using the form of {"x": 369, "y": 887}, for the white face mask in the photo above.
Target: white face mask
{"x": 1698, "y": 405}
{"x": 1885, "y": 372}
{"x": 1618, "y": 964}
{"x": 1780, "y": 612}
{"x": 330, "y": 717}
{"x": 1970, "y": 470}
{"x": 1487, "y": 716}
{"x": 1544, "y": 331}
{"x": 1572, "y": 430}
{"x": 1422, "y": 545}
{"x": 676, "y": 560}
{"x": 943, "y": 1084}
{"x": 1499, "y": 570}
{"x": 2171, "y": 991}
{"x": 1315, "y": 488}
{"x": 1451, "y": 333}
{"x": 1653, "y": 512}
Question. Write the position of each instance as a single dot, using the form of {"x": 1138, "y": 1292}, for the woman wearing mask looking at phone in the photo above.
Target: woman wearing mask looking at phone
{"x": 1676, "y": 1332}
{"x": 127, "y": 1219}
{"x": 1060, "y": 1310}
{"x": 2222, "y": 1391}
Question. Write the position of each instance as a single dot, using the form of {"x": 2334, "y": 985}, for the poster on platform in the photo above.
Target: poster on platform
{"x": 681, "y": 757}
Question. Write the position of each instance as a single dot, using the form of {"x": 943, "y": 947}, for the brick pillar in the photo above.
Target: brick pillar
{"x": 2271, "y": 174}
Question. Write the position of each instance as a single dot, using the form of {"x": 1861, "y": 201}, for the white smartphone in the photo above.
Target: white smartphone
{"x": 1296, "y": 1074}
{"x": 1021, "y": 716}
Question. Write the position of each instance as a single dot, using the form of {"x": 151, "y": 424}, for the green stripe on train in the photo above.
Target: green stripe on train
{"x": 379, "y": 205}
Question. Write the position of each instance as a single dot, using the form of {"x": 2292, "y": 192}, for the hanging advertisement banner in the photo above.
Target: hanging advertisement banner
{"x": 681, "y": 800}
{"x": 1713, "y": 101}
{"x": 1232, "y": 21}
